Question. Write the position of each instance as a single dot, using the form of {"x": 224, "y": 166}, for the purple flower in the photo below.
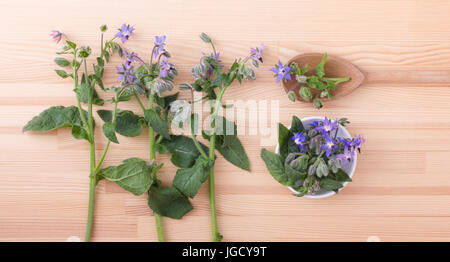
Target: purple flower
{"x": 215, "y": 57}
{"x": 124, "y": 32}
{"x": 327, "y": 126}
{"x": 281, "y": 71}
{"x": 125, "y": 73}
{"x": 56, "y": 36}
{"x": 299, "y": 138}
{"x": 256, "y": 53}
{"x": 159, "y": 44}
{"x": 164, "y": 68}
{"x": 330, "y": 145}
{"x": 357, "y": 142}
{"x": 314, "y": 124}
{"x": 345, "y": 142}
{"x": 346, "y": 157}
{"x": 130, "y": 57}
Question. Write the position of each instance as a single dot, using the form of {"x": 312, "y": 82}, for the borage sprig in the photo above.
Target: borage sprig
{"x": 312, "y": 87}
{"x": 152, "y": 80}
{"x": 212, "y": 79}
{"x": 75, "y": 117}
{"x": 312, "y": 159}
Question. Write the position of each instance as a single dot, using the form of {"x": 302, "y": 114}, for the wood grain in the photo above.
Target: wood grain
{"x": 401, "y": 187}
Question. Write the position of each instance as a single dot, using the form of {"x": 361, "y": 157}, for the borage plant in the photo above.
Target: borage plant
{"x": 75, "y": 117}
{"x": 152, "y": 80}
{"x": 312, "y": 87}
{"x": 212, "y": 79}
{"x": 311, "y": 160}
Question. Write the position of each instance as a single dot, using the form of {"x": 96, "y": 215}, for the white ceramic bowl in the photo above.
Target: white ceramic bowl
{"x": 349, "y": 169}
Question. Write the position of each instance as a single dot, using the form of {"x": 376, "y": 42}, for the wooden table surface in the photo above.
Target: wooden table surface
{"x": 401, "y": 188}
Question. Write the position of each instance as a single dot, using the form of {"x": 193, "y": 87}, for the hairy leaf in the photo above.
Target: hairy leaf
{"x": 83, "y": 91}
{"x": 62, "y": 62}
{"x": 330, "y": 184}
{"x": 79, "y": 133}
{"x": 168, "y": 202}
{"x": 62, "y": 73}
{"x": 58, "y": 117}
{"x": 283, "y": 140}
{"x": 158, "y": 124}
{"x": 342, "y": 176}
{"x": 109, "y": 129}
{"x": 189, "y": 180}
{"x": 234, "y": 153}
{"x": 127, "y": 123}
{"x": 320, "y": 68}
{"x": 296, "y": 125}
{"x": 183, "y": 150}
{"x": 293, "y": 175}
{"x": 134, "y": 175}
{"x": 227, "y": 129}
{"x": 274, "y": 165}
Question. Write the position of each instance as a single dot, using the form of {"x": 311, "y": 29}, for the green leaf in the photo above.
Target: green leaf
{"x": 165, "y": 101}
{"x": 293, "y": 175}
{"x": 62, "y": 62}
{"x": 134, "y": 175}
{"x": 62, "y": 73}
{"x": 330, "y": 184}
{"x": 127, "y": 123}
{"x": 296, "y": 125}
{"x": 83, "y": 91}
{"x": 283, "y": 139}
{"x": 274, "y": 165}
{"x": 58, "y": 117}
{"x": 234, "y": 153}
{"x": 109, "y": 129}
{"x": 189, "y": 180}
{"x": 183, "y": 150}
{"x": 228, "y": 129}
{"x": 320, "y": 68}
{"x": 79, "y": 132}
{"x": 168, "y": 202}
{"x": 71, "y": 44}
{"x": 155, "y": 121}
{"x": 342, "y": 176}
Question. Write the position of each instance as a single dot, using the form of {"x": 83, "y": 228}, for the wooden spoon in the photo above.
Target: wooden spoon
{"x": 334, "y": 67}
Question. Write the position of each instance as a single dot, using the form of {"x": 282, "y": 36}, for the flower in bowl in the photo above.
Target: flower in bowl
{"x": 315, "y": 157}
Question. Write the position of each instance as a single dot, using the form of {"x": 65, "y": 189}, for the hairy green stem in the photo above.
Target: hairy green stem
{"x": 139, "y": 101}
{"x": 92, "y": 177}
{"x": 151, "y": 134}
{"x": 113, "y": 121}
{"x": 212, "y": 146}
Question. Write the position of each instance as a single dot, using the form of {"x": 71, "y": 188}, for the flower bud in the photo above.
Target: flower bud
{"x": 311, "y": 170}
{"x": 199, "y": 71}
{"x": 332, "y": 163}
{"x": 317, "y": 103}
{"x": 295, "y": 164}
{"x": 312, "y": 132}
{"x": 84, "y": 52}
{"x": 322, "y": 169}
{"x": 305, "y": 93}
{"x": 303, "y": 161}
{"x": 103, "y": 28}
{"x": 316, "y": 186}
{"x": 291, "y": 96}
{"x": 301, "y": 78}
{"x": 324, "y": 93}
{"x": 205, "y": 38}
